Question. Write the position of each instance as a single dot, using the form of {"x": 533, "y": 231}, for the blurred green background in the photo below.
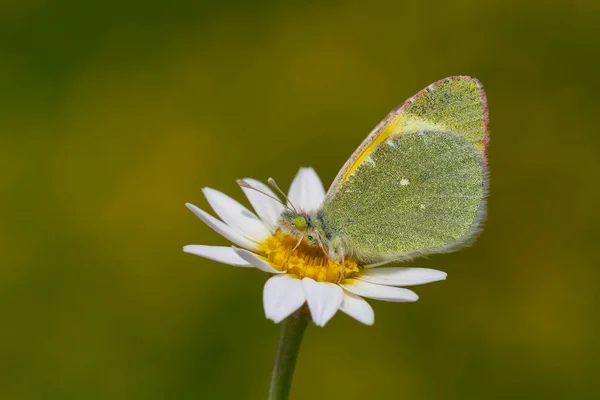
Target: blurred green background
{"x": 114, "y": 114}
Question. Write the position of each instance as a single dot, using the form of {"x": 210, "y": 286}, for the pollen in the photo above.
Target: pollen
{"x": 307, "y": 260}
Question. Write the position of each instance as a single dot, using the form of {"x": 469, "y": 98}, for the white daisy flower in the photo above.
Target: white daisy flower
{"x": 304, "y": 274}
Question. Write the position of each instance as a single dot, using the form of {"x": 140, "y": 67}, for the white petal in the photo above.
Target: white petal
{"x": 379, "y": 292}
{"x": 307, "y": 192}
{"x": 223, "y": 229}
{"x": 323, "y": 298}
{"x": 282, "y": 296}
{"x": 358, "y": 308}
{"x": 256, "y": 261}
{"x": 221, "y": 254}
{"x": 267, "y": 209}
{"x": 236, "y": 215}
{"x": 378, "y": 264}
{"x": 396, "y": 276}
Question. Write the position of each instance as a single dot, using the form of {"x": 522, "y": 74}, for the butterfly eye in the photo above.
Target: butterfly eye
{"x": 309, "y": 237}
{"x": 300, "y": 223}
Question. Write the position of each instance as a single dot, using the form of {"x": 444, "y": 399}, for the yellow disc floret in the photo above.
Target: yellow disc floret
{"x": 306, "y": 260}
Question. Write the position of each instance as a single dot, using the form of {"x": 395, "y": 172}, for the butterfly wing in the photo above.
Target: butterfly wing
{"x": 417, "y": 184}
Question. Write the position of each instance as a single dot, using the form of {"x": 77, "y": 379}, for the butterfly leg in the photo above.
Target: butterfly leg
{"x": 343, "y": 269}
{"x": 294, "y": 249}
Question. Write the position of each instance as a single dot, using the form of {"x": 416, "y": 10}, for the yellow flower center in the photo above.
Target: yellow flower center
{"x": 306, "y": 260}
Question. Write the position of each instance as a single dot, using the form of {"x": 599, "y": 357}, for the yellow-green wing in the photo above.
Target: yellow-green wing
{"x": 417, "y": 184}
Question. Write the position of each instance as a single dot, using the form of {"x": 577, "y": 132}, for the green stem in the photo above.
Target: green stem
{"x": 290, "y": 339}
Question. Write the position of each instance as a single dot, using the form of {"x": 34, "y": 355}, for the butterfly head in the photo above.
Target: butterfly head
{"x": 298, "y": 224}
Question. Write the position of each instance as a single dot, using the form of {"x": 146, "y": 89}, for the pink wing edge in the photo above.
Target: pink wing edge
{"x": 373, "y": 134}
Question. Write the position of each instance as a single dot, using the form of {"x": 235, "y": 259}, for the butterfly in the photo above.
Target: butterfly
{"x": 417, "y": 185}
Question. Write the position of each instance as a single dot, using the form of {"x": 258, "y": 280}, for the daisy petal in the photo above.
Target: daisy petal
{"x": 358, "y": 308}
{"x": 223, "y": 229}
{"x": 256, "y": 261}
{"x": 378, "y": 264}
{"x": 324, "y": 299}
{"x": 221, "y": 254}
{"x": 267, "y": 209}
{"x": 396, "y": 276}
{"x": 306, "y": 192}
{"x": 236, "y": 215}
{"x": 282, "y": 296}
{"x": 379, "y": 292}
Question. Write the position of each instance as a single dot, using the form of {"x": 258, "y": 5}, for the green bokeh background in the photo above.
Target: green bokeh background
{"x": 114, "y": 114}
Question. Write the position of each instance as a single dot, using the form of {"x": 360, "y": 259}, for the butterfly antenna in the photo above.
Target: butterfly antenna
{"x": 274, "y": 184}
{"x": 246, "y": 185}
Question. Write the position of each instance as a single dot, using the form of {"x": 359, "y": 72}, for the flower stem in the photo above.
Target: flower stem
{"x": 290, "y": 339}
